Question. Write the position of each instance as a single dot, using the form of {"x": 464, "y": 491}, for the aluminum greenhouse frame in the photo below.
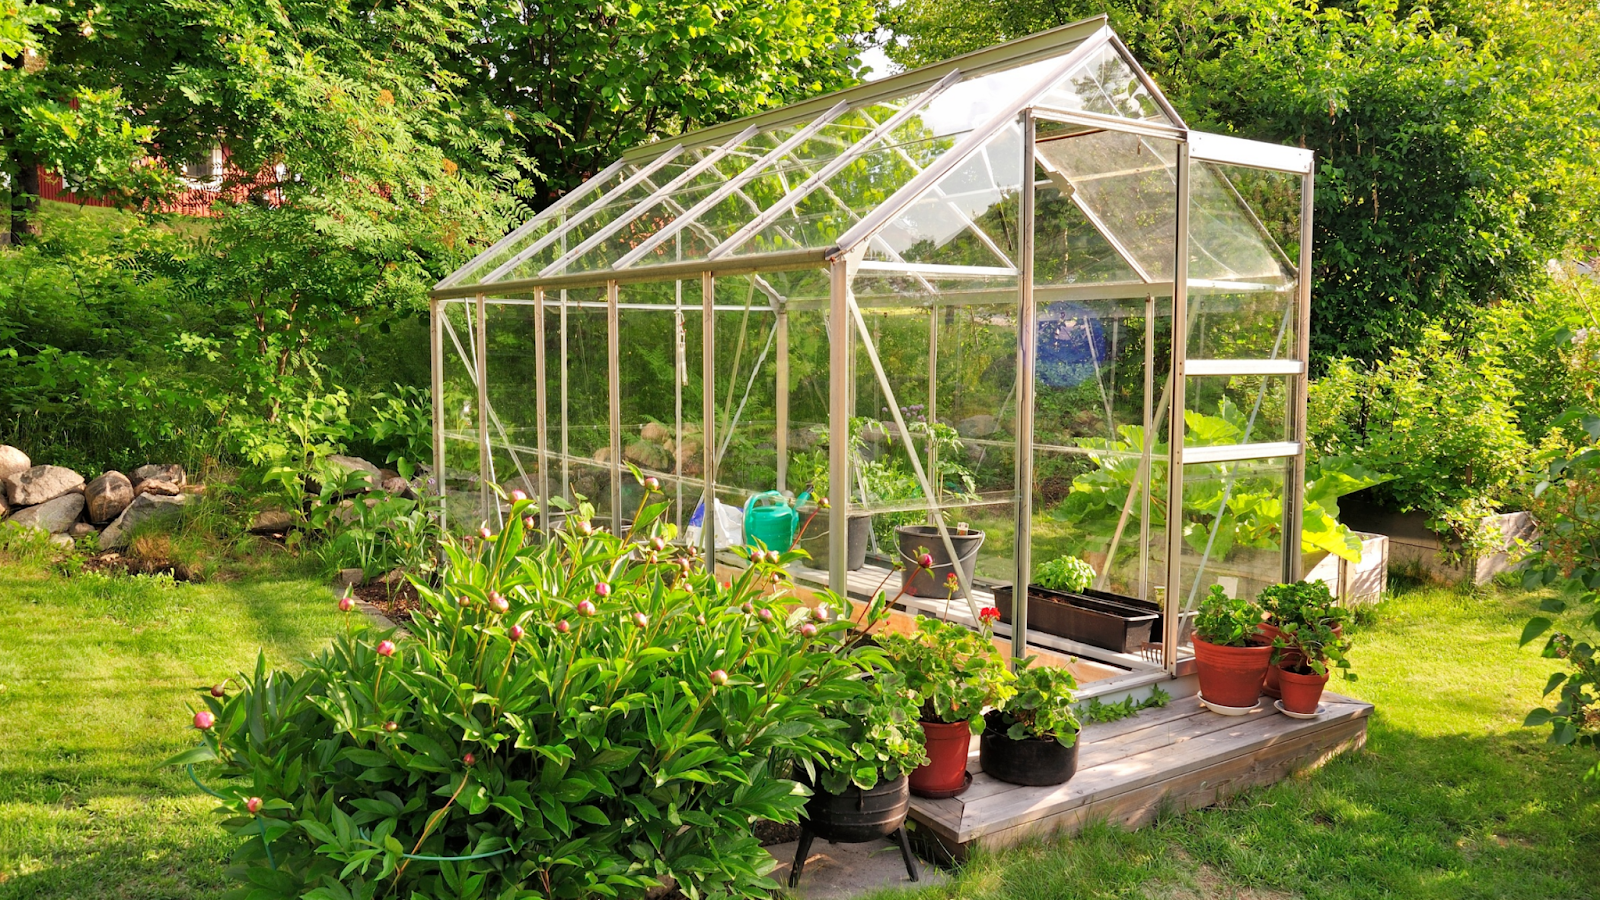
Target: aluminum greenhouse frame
{"x": 887, "y": 249}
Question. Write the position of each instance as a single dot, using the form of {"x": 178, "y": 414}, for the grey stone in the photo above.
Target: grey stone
{"x": 161, "y": 472}
{"x": 64, "y": 541}
{"x": 12, "y": 461}
{"x": 158, "y": 486}
{"x": 349, "y": 578}
{"x": 54, "y": 516}
{"x": 144, "y": 508}
{"x": 399, "y": 487}
{"x": 271, "y": 521}
{"x": 655, "y": 433}
{"x": 978, "y": 426}
{"x": 357, "y": 464}
{"x": 346, "y": 513}
{"x": 40, "y": 484}
{"x": 81, "y": 529}
{"x": 107, "y": 496}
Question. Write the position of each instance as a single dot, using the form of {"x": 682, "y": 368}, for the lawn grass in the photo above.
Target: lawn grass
{"x": 96, "y": 674}
{"x": 1451, "y": 798}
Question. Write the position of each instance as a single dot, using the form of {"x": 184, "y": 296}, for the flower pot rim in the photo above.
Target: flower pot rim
{"x": 925, "y": 530}
{"x": 1253, "y": 645}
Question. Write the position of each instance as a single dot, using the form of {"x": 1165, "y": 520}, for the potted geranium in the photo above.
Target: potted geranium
{"x": 1230, "y": 652}
{"x": 1033, "y": 737}
{"x": 956, "y": 673}
{"x": 1303, "y": 653}
{"x": 1302, "y": 602}
{"x": 865, "y": 794}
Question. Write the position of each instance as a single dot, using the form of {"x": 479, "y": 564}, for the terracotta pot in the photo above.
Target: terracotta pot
{"x": 1290, "y": 658}
{"x": 1301, "y": 693}
{"x": 945, "y": 774}
{"x": 1231, "y": 676}
{"x": 1269, "y": 684}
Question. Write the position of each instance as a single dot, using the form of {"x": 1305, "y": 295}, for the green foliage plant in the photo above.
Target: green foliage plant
{"x": 1301, "y": 602}
{"x": 881, "y": 735}
{"x": 1065, "y": 573}
{"x": 1311, "y": 648}
{"x": 589, "y": 716}
{"x": 1042, "y": 706}
{"x": 1099, "y": 712}
{"x": 1566, "y": 505}
{"x": 955, "y": 672}
{"x": 1227, "y": 621}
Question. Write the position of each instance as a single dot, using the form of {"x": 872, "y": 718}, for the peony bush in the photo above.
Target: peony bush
{"x": 591, "y": 716}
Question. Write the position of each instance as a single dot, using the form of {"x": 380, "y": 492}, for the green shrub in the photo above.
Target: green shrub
{"x": 587, "y": 718}
{"x": 1065, "y": 573}
{"x": 956, "y": 672}
{"x": 882, "y": 736}
{"x": 1441, "y": 420}
{"x": 1227, "y": 621}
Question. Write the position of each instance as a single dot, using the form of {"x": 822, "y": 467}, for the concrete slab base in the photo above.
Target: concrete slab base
{"x": 846, "y": 871}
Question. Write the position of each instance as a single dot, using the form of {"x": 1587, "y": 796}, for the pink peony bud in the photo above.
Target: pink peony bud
{"x": 719, "y": 677}
{"x": 347, "y": 603}
{"x": 517, "y": 496}
{"x": 584, "y": 528}
{"x": 640, "y": 620}
{"x": 219, "y": 690}
{"x": 253, "y": 805}
{"x": 203, "y": 720}
{"x": 700, "y": 619}
{"x": 386, "y": 648}
{"x": 746, "y": 607}
{"x": 925, "y": 560}
{"x": 469, "y": 760}
{"x": 824, "y": 503}
{"x": 391, "y": 726}
{"x": 658, "y": 543}
{"x": 603, "y": 589}
{"x": 485, "y": 533}
{"x": 808, "y": 630}
{"x": 585, "y": 608}
{"x": 515, "y": 632}
{"x": 562, "y": 626}
{"x": 764, "y": 614}
{"x": 499, "y": 602}
{"x": 652, "y": 483}
{"x": 527, "y": 522}
{"x": 463, "y": 601}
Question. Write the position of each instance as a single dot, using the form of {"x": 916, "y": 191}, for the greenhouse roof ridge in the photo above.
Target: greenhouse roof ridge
{"x": 1031, "y": 48}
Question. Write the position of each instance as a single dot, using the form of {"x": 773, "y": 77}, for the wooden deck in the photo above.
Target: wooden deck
{"x": 1174, "y": 759}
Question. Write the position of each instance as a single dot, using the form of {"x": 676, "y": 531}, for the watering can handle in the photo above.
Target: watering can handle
{"x": 765, "y": 495}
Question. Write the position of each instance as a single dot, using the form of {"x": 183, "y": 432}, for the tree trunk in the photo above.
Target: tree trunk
{"x": 25, "y": 203}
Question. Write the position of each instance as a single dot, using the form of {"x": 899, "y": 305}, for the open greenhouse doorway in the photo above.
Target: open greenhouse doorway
{"x": 1008, "y": 310}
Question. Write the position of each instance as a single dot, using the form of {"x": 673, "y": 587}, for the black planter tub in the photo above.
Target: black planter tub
{"x": 854, "y": 816}
{"x": 1109, "y": 624}
{"x": 1034, "y": 761}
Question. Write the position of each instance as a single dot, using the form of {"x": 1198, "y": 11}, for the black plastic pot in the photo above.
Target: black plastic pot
{"x": 857, "y": 535}
{"x": 1109, "y": 624}
{"x": 854, "y": 816}
{"x": 912, "y": 540}
{"x": 1034, "y": 761}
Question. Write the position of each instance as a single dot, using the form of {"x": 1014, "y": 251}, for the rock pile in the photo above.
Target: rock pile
{"x": 56, "y": 500}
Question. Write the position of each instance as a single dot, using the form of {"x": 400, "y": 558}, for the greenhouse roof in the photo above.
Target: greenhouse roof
{"x": 895, "y": 170}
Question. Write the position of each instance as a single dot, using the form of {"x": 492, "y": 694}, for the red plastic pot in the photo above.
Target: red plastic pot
{"x": 1231, "y": 676}
{"x": 1301, "y": 693}
{"x": 945, "y": 774}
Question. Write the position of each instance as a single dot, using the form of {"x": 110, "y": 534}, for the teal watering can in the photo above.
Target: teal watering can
{"x": 771, "y": 519}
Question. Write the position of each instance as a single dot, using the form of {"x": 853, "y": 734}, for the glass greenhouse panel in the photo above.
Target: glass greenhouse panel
{"x": 510, "y": 330}
{"x": 744, "y": 393}
{"x": 460, "y": 483}
{"x": 1106, "y": 84}
{"x": 654, "y": 391}
{"x": 1236, "y": 409}
{"x": 1232, "y": 523}
{"x": 1244, "y": 285}
{"x": 1125, "y": 185}
{"x": 1097, "y": 360}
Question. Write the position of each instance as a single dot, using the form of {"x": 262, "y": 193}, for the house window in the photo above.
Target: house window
{"x": 203, "y": 172}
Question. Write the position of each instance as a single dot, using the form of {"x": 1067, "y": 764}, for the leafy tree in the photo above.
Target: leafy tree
{"x": 1455, "y": 149}
{"x": 585, "y": 81}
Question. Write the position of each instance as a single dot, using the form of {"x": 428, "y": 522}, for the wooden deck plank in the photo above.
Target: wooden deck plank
{"x": 1123, "y": 762}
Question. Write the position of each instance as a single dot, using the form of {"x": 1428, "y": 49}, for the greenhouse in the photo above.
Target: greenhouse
{"x": 969, "y": 305}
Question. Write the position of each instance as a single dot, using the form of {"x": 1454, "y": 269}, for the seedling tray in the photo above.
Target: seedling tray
{"x": 1108, "y": 624}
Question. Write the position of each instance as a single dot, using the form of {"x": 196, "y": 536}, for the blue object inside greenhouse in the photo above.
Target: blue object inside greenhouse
{"x": 1072, "y": 344}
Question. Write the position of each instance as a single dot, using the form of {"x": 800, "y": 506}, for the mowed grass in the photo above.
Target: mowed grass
{"x": 96, "y": 678}
{"x": 1451, "y": 798}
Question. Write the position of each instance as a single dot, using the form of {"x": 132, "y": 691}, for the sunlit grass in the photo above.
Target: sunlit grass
{"x": 95, "y": 677}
